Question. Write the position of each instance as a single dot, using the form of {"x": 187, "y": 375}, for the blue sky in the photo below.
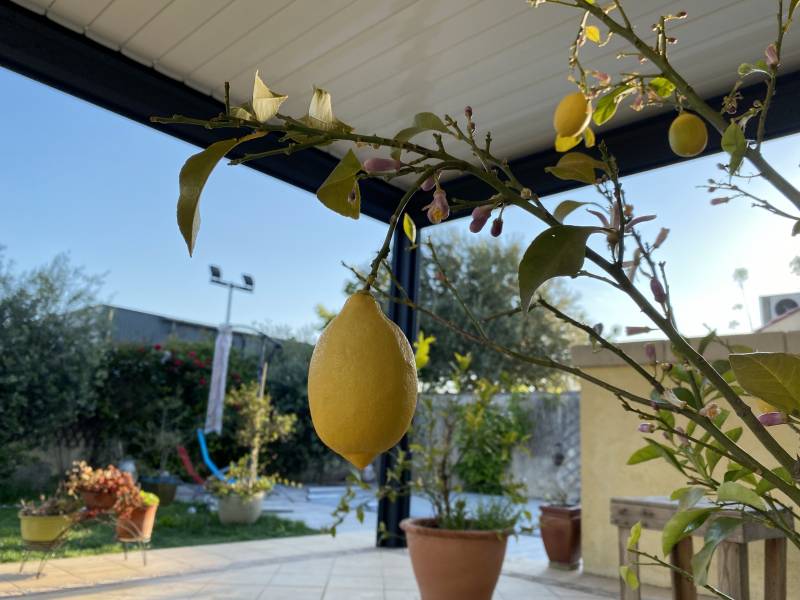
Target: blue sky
{"x": 81, "y": 180}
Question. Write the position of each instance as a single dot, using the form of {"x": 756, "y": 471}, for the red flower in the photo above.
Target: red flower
{"x": 192, "y": 354}
{"x": 202, "y": 381}
{"x": 157, "y": 347}
{"x": 178, "y": 362}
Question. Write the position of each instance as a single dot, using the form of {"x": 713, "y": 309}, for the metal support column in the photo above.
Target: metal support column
{"x": 405, "y": 265}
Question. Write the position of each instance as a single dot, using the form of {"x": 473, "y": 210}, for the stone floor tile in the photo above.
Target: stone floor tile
{"x": 361, "y": 582}
{"x": 352, "y": 594}
{"x": 401, "y": 595}
{"x": 309, "y": 579}
{"x": 273, "y": 592}
{"x": 232, "y": 591}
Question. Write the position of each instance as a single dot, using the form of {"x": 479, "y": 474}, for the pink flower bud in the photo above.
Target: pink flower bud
{"x": 602, "y": 77}
{"x": 650, "y": 352}
{"x": 772, "y": 418}
{"x": 661, "y": 237}
{"x": 659, "y": 294}
{"x": 772, "y": 55}
{"x": 480, "y": 215}
{"x": 438, "y": 210}
{"x": 716, "y": 201}
{"x": 378, "y": 165}
{"x": 497, "y": 227}
{"x": 710, "y": 410}
{"x": 682, "y": 436}
{"x": 468, "y": 112}
{"x": 646, "y": 428}
{"x": 428, "y": 184}
{"x": 636, "y": 220}
{"x": 637, "y": 330}
{"x": 670, "y": 397}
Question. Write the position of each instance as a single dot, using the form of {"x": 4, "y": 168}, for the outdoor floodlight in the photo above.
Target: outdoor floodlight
{"x": 216, "y": 272}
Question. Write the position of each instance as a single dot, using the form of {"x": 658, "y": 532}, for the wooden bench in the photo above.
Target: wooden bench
{"x": 732, "y": 562}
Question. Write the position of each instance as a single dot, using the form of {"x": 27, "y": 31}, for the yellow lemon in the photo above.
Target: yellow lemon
{"x": 362, "y": 382}
{"x": 688, "y": 135}
{"x": 572, "y": 115}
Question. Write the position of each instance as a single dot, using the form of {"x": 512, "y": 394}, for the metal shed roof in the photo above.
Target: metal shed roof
{"x": 383, "y": 62}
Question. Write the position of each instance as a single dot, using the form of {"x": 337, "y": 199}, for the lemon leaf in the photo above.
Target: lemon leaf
{"x": 735, "y": 144}
{"x": 730, "y": 491}
{"x": 563, "y": 144}
{"x": 555, "y": 252}
{"x": 424, "y": 121}
{"x": 629, "y": 577}
{"x": 772, "y": 376}
{"x": 336, "y": 189}
{"x": 662, "y": 86}
{"x": 592, "y": 33}
{"x": 715, "y": 534}
{"x": 681, "y": 525}
{"x": 565, "y": 208}
{"x": 192, "y": 179}
{"x": 588, "y": 137}
{"x": 576, "y": 166}
{"x": 410, "y": 228}
{"x": 265, "y": 102}
{"x": 633, "y": 538}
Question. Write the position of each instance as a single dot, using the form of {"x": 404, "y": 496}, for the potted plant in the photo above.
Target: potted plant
{"x": 99, "y": 488}
{"x": 560, "y": 526}
{"x": 241, "y": 494}
{"x": 136, "y": 515}
{"x": 458, "y": 552}
{"x": 49, "y": 519}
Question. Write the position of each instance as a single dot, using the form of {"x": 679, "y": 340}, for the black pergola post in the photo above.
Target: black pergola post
{"x": 405, "y": 265}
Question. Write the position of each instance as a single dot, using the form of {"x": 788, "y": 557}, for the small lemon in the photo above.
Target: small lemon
{"x": 688, "y": 135}
{"x": 572, "y": 115}
{"x": 362, "y": 382}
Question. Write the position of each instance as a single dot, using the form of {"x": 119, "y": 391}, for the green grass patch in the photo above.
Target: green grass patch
{"x": 175, "y": 526}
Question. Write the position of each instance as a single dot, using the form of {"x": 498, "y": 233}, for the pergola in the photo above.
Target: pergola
{"x": 383, "y": 62}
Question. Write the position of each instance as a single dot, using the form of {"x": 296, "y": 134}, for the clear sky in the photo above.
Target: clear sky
{"x": 81, "y": 180}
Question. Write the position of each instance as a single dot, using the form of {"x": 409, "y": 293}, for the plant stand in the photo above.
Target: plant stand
{"x": 653, "y": 512}
{"x": 47, "y": 549}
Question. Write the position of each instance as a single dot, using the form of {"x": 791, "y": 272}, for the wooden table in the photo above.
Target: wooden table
{"x": 732, "y": 563}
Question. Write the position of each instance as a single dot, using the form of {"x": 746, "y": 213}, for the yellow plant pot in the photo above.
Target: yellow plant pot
{"x": 35, "y": 528}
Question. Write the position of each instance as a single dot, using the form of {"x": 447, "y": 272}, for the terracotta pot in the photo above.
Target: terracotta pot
{"x": 561, "y": 534}
{"x": 450, "y": 564}
{"x": 138, "y": 527}
{"x": 45, "y": 528}
{"x": 235, "y": 509}
{"x": 165, "y": 489}
{"x": 98, "y": 500}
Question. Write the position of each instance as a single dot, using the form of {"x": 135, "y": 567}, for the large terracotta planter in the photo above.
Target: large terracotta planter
{"x": 561, "y": 534}
{"x": 43, "y": 529}
{"x": 235, "y": 509}
{"x": 98, "y": 500}
{"x": 138, "y": 527}
{"x": 450, "y": 565}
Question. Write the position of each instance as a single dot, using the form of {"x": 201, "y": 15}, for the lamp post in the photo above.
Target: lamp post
{"x": 248, "y": 286}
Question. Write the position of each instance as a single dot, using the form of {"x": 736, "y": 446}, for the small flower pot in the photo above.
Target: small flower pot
{"x": 102, "y": 501}
{"x": 164, "y": 488}
{"x": 450, "y": 564}
{"x": 235, "y": 509}
{"x": 561, "y": 534}
{"x": 138, "y": 527}
{"x": 43, "y": 529}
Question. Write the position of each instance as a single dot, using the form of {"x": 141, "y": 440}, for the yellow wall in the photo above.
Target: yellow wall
{"x": 609, "y": 437}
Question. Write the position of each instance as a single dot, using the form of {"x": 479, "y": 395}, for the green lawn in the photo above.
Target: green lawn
{"x": 175, "y": 526}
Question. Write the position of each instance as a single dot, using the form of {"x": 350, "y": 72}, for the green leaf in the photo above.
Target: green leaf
{"x": 707, "y": 339}
{"x": 795, "y": 228}
{"x": 712, "y": 457}
{"x": 424, "y": 121}
{"x": 576, "y": 166}
{"x": 730, "y": 491}
{"x": 607, "y": 105}
{"x": 735, "y": 144}
{"x": 629, "y": 577}
{"x": 636, "y": 533}
{"x": 772, "y": 376}
{"x": 734, "y": 433}
{"x": 685, "y": 395}
{"x": 566, "y": 207}
{"x": 792, "y": 6}
{"x": 668, "y": 417}
{"x": 644, "y": 454}
{"x": 192, "y": 179}
{"x": 410, "y": 228}
{"x": 661, "y": 86}
{"x": 716, "y": 533}
{"x": 681, "y": 525}
{"x": 765, "y": 486}
{"x": 559, "y": 250}
{"x": 336, "y": 189}
{"x": 688, "y": 497}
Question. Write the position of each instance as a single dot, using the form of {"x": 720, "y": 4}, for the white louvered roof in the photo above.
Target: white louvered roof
{"x": 385, "y": 60}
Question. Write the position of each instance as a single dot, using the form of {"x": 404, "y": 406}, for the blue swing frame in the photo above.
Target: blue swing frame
{"x": 215, "y": 471}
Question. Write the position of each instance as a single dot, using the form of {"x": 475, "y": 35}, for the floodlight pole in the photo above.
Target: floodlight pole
{"x": 216, "y": 278}
{"x": 405, "y": 266}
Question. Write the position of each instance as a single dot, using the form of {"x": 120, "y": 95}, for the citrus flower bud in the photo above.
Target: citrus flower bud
{"x": 480, "y": 215}
{"x": 659, "y": 295}
{"x": 646, "y": 428}
{"x": 650, "y": 352}
{"x": 526, "y": 193}
{"x": 438, "y": 210}
{"x": 772, "y": 55}
{"x": 710, "y": 410}
{"x": 661, "y": 237}
{"x": 772, "y": 418}
{"x": 468, "y": 112}
{"x": 497, "y": 227}
{"x": 637, "y": 330}
{"x": 722, "y": 200}
{"x": 636, "y": 220}
{"x": 670, "y": 397}
{"x": 682, "y": 435}
{"x": 377, "y": 165}
{"x": 428, "y": 184}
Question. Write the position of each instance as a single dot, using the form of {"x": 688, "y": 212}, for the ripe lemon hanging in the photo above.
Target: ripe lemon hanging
{"x": 572, "y": 115}
{"x": 688, "y": 135}
{"x": 362, "y": 382}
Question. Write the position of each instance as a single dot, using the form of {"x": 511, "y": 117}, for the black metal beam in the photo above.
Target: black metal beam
{"x": 642, "y": 145}
{"x": 405, "y": 265}
{"x": 36, "y": 47}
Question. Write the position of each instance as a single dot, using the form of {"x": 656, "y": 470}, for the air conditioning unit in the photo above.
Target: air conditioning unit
{"x": 778, "y": 305}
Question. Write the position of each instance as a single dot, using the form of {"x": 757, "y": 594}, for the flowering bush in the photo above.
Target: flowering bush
{"x": 110, "y": 480}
